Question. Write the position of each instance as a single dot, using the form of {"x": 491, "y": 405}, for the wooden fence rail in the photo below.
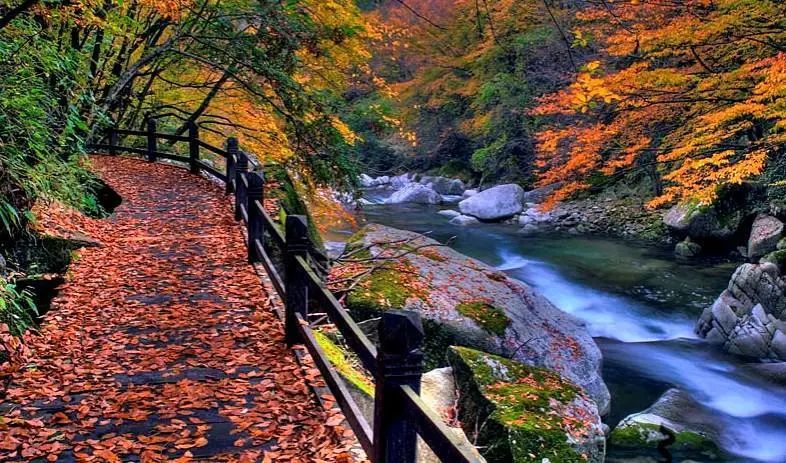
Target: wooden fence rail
{"x": 400, "y": 416}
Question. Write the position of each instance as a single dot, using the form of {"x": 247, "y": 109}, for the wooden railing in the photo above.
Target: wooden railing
{"x": 400, "y": 415}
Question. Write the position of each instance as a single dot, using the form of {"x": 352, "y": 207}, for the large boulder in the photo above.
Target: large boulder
{"x": 765, "y": 234}
{"x": 487, "y": 311}
{"x": 675, "y": 421}
{"x": 703, "y": 223}
{"x": 519, "y": 413}
{"x": 415, "y": 193}
{"x": 499, "y": 202}
{"x": 749, "y": 317}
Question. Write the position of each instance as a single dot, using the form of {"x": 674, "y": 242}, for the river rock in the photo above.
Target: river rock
{"x": 399, "y": 181}
{"x": 702, "y": 222}
{"x": 765, "y": 234}
{"x": 438, "y": 391}
{"x": 470, "y": 192}
{"x": 366, "y": 181}
{"x": 519, "y": 413}
{"x": 447, "y": 186}
{"x": 496, "y": 203}
{"x": 677, "y": 415}
{"x": 449, "y": 213}
{"x": 687, "y": 248}
{"x": 749, "y": 317}
{"x": 487, "y": 311}
{"x": 538, "y": 195}
{"x": 464, "y": 220}
{"x": 415, "y": 193}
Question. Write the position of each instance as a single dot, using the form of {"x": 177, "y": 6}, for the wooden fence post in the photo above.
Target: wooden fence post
{"x": 256, "y": 226}
{"x": 113, "y": 142}
{"x": 152, "y": 142}
{"x": 241, "y": 169}
{"x": 399, "y": 362}
{"x": 296, "y": 293}
{"x": 193, "y": 147}
{"x": 232, "y": 151}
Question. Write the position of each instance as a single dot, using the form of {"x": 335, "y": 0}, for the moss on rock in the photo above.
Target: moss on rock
{"x": 517, "y": 413}
{"x": 642, "y": 435}
{"x": 491, "y": 318}
{"x": 345, "y": 364}
{"x": 381, "y": 290}
{"x": 776, "y": 257}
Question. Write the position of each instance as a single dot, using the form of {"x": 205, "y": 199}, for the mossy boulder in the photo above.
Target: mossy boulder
{"x": 675, "y": 422}
{"x": 466, "y": 302}
{"x": 520, "y": 413}
{"x": 687, "y": 249}
{"x": 703, "y": 223}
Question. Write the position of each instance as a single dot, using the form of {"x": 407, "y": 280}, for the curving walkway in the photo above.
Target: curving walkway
{"x": 162, "y": 345}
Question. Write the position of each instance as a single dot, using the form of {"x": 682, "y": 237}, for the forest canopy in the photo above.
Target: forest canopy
{"x": 269, "y": 72}
{"x": 680, "y": 98}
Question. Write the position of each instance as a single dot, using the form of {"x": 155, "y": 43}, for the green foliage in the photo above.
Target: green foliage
{"x": 42, "y": 95}
{"x": 475, "y": 77}
{"x": 17, "y": 309}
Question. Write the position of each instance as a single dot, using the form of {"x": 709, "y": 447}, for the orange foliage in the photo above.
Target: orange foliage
{"x": 693, "y": 91}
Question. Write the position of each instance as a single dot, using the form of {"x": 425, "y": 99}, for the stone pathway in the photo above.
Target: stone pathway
{"x": 162, "y": 345}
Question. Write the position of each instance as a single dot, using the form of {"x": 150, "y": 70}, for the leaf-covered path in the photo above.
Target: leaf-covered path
{"x": 162, "y": 345}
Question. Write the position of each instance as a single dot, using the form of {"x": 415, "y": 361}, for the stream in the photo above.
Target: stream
{"x": 640, "y": 305}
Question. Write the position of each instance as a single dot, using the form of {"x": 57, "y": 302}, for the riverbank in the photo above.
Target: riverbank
{"x": 640, "y": 304}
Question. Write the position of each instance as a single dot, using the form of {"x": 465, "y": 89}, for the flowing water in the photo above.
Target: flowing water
{"x": 640, "y": 305}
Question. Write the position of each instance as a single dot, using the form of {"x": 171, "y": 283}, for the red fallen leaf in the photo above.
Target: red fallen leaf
{"x": 9, "y": 443}
{"x": 106, "y": 455}
{"x": 335, "y": 420}
{"x": 60, "y": 418}
{"x": 35, "y": 423}
{"x": 186, "y": 458}
{"x": 201, "y": 442}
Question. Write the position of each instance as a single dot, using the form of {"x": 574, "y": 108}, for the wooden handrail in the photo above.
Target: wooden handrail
{"x": 399, "y": 413}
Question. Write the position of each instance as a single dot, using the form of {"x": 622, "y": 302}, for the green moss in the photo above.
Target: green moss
{"x": 649, "y": 435}
{"x": 776, "y": 257}
{"x": 383, "y": 289}
{"x": 345, "y": 364}
{"x": 491, "y": 318}
{"x": 515, "y": 402}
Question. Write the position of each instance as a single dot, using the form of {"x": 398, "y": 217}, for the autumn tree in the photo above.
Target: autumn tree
{"x": 464, "y": 73}
{"x": 689, "y": 94}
